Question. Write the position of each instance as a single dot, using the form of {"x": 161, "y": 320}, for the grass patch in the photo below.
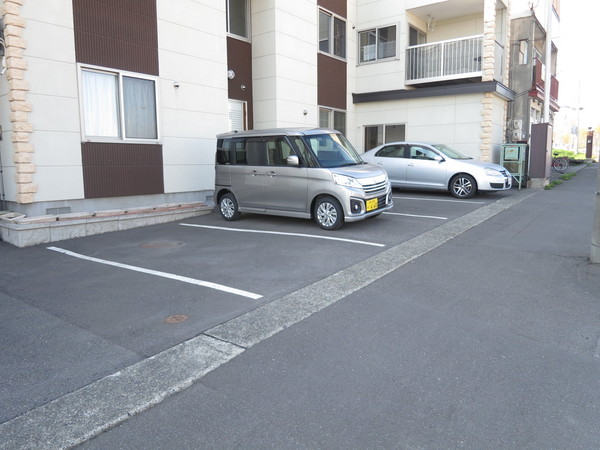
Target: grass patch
{"x": 568, "y": 176}
{"x": 552, "y": 184}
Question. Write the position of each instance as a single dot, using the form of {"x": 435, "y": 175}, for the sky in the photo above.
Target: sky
{"x": 578, "y": 69}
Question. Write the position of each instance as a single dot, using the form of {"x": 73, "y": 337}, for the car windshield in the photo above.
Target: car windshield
{"x": 332, "y": 150}
{"x": 450, "y": 152}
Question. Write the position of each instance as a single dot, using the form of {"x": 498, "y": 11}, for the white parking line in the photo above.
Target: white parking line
{"x": 374, "y": 244}
{"x": 441, "y": 200}
{"x": 416, "y": 215}
{"x": 171, "y": 276}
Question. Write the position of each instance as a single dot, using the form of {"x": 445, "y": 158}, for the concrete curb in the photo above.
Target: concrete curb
{"x": 28, "y": 231}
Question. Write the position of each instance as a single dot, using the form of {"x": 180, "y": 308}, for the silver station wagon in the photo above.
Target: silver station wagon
{"x": 416, "y": 165}
{"x": 297, "y": 172}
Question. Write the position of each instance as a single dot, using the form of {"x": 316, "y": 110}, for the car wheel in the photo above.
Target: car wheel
{"x": 463, "y": 186}
{"x": 329, "y": 213}
{"x": 228, "y": 207}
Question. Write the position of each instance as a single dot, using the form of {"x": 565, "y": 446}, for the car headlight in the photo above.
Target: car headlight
{"x": 343, "y": 180}
{"x": 493, "y": 172}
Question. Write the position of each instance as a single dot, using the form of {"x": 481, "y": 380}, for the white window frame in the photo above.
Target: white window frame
{"x": 376, "y": 31}
{"x": 121, "y": 104}
{"x": 244, "y": 112}
{"x": 248, "y": 23}
{"x": 331, "y": 37}
{"x": 382, "y": 128}
{"x": 331, "y": 119}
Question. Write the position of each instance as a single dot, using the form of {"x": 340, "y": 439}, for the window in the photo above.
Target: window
{"x": 379, "y": 43}
{"x": 118, "y": 106}
{"x": 237, "y": 18}
{"x": 391, "y": 151}
{"x": 381, "y": 134}
{"x": 259, "y": 151}
{"x": 330, "y": 118}
{"x": 417, "y": 152}
{"x": 237, "y": 115}
{"x": 523, "y": 51}
{"x": 416, "y": 37}
{"x": 332, "y": 34}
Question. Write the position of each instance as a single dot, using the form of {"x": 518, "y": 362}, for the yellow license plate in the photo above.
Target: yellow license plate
{"x": 372, "y": 204}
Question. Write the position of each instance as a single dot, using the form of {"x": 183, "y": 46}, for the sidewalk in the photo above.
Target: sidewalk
{"x": 488, "y": 337}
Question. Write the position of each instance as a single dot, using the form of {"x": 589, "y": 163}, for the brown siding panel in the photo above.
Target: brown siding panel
{"x": 332, "y": 82}
{"x": 239, "y": 59}
{"x": 120, "y": 34}
{"x": 114, "y": 170}
{"x": 338, "y": 7}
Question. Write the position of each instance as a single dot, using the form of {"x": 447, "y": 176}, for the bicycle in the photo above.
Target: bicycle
{"x": 559, "y": 163}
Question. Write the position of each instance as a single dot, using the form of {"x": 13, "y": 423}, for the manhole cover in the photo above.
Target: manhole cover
{"x": 162, "y": 244}
{"x": 176, "y": 318}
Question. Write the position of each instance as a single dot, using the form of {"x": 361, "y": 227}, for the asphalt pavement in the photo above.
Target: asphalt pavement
{"x": 479, "y": 333}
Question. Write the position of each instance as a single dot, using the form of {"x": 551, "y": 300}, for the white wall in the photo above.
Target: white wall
{"x": 387, "y": 74}
{"x": 192, "y": 51}
{"x": 452, "y": 120}
{"x": 456, "y": 28}
{"x": 284, "y": 54}
{"x": 52, "y": 76}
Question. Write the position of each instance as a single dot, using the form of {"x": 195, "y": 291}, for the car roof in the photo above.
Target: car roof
{"x": 290, "y": 131}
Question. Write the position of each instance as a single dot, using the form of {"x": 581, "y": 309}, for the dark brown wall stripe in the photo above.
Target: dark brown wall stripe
{"x": 113, "y": 170}
{"x": 331, "y": 82}
{"x": 120, "y": 34}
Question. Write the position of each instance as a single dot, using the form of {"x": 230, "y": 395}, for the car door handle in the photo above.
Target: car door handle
{"x": 411, "y": 164}
{"x": 255, "y": 173}
{"x": 271, "y": 174}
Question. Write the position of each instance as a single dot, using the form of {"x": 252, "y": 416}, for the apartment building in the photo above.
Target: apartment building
{"x": 534, "y": 54}
{"x": 116, "y": 103}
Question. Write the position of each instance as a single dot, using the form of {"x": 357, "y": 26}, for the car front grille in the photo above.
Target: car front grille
{"x": 370, "y": 188}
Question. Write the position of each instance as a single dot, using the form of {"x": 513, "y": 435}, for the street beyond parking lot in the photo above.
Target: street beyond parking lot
{"x": 463, "y": 324}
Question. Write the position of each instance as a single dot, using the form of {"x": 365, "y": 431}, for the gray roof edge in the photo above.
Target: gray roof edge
{"x": 436, "y": 91}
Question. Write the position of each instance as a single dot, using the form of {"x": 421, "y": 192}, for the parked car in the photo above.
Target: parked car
{"x": 417, "y": 165}
{"x": 307, "y": 173}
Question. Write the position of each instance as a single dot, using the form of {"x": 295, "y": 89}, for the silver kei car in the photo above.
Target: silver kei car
{"x": 416, "y": 165}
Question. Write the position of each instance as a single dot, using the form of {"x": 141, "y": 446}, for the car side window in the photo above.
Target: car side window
{"x": 224, "y": 151}
{"x": 256, "y": 152}
{"x": 391, "y": 151}
{"x": 239, "y": 151}
{"x": 305, "y": 154}
{"x": 277, "y": 151}
{"x": 418, "y": 152}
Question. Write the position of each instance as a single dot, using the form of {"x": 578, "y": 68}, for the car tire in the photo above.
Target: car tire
{"x": 228, "y": 207}
{"x": 463, "y": 186}
{"x": 328, "y": 213}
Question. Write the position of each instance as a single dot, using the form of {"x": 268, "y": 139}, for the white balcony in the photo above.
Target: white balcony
{"x": 444, "y": 60}
{"x": 453, "y": 59}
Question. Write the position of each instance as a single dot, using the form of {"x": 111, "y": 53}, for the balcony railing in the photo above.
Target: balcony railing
{"x": 539, "y": 84}
{"x": 449, "y": 60}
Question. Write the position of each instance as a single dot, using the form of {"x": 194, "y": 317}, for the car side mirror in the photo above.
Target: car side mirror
{"x": 438, "y": 158}
{"x": 293, "y": 160}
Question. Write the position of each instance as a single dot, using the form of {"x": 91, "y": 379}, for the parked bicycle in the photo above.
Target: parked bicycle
{"x": 559, "y": 163}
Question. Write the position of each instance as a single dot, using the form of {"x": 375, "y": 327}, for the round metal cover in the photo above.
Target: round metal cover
{"x": 176, "y": 318}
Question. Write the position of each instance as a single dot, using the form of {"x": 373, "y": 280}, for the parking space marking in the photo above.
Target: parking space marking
{"x": 171, "y": 276}
{"x": 442, "y": 200}
{"x": 243, "y": 230}
{"x": 416, "y": 215}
